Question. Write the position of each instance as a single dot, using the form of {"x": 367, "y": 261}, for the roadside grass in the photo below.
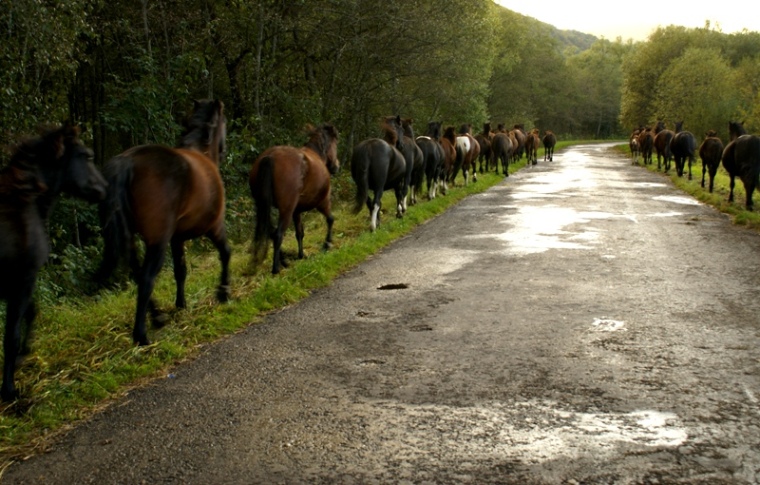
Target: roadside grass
{"x": 721, "y": 188}
{"x": 83, "y": 357}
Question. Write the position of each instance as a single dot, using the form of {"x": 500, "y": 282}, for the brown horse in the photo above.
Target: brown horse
{"x": 710, "y": 151}
{"x": 646, "y": 145}
{"x": 531, "y": 146}
{"x": 293, "y": 181}
{"x": 484, "y": 140}
{"x": 741, "y": 158}
{"x": 449, "y": 143}
{"x": 38, "y": 172}
{"x": 662, "y": 139}
{"x": 518, "y": 145}
{"x": 167, "y": 196}
{"x": 415, "y": 161}
{"x": 549, "y": 141}
{"x": 634, "y": 145}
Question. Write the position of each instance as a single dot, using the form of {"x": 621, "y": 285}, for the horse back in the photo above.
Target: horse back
{"x": 174, "y": 192}
{"x": 300, "y": 176}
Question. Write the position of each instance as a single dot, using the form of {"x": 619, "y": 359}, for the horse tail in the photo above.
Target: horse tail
{"x": 262, "y": 189}
{"x": 116, "y": 215}
{"x": 360, "y": 174}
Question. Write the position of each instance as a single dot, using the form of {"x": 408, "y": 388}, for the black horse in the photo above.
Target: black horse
{"x": 710, "y": 152}
{"x": 433, "y": 156}
{"x": 662, "y": 139}
{"x": 549, "y": 140}
{"x": 683, "y": 146}
{"x": 379, "y": 165}
{"x": 415, "y": 162}
{"x": 38, "y": 172}
{"x": 741, "y": 158}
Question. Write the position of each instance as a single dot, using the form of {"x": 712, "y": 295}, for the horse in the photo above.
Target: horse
{"x": 741, "y": 158}
{"x": 467, "y": 153}
{"x": 683, "y": 146}
{"x": 710, "y": 151}
{"x": 39, "y": 170}
{"x": 518, "y": 148}
{"x": 379, "y": 165}
{"x": 415, "y": 163}
{"x": 646, "y": 145}
{"x": 484, "y": 141}
{"x": 531, "y": 146}
{"x": 166, "y": 196}
{"x": 501, "y": 149}
{"x": 549, "y": 141}
{"x": 293, "y": 180}
{"x": 662, "y": 139}
{"x": 635, "y": 147}
{"x": 448, "y": 142}
{"x": 433, "y": 156}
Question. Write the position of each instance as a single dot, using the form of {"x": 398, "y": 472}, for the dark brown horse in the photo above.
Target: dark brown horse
{"x": 518, "y": 147}
{"x": 741, "y": 158}
{"x": 415, "y": 162}
{"x": 501, "y": 149}
{"x": 166, "y": 196}
{"x": 484, "y": 140}
{"x": 293, "y": 181}
{"x": 683, "y": 146}
{"x": 549, "y": 141}
{"x": 710, "y": 151}
{"x": 433, "y": 156}
{"x": 38, "y": 172}
{"x": 662, "y": 139}
{"x": 379, "y": 165}
{"x": 646, "y": 145}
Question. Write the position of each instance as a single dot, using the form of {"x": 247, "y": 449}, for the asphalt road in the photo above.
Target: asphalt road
{"x": 583, "y": 322}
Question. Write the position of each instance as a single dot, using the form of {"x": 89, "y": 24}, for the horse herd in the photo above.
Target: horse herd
{"x": 166, "y": 196}
{"x": 740, "y": 157}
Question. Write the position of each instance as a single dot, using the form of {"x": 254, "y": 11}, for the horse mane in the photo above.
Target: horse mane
{"x": 406, "y": 124}
{"x": 486, "y": 129}
{"x": 49, "y": 145}
{"x": 320, "y": 137}
{"x": 202, "y": 124}
{"x": 736, "y": 129}
{"x": 465, "y": 129}
{"x": 434, "y": 129}
{"x": 450, "y": 133}
{"x": 393, "y": 131}
{"x": 711, "y": 134}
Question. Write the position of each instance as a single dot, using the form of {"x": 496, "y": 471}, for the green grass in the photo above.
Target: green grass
{"x": 718, "y": 198}
{"x": 83, "y": 356}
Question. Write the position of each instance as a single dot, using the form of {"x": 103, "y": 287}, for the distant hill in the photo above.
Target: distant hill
{"x": 573, "y": 39}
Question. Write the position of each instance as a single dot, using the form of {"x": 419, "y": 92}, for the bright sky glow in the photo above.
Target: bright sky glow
{"x": 631, "y": 20}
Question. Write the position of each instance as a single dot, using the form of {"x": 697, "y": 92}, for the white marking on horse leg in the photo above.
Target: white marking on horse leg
{"x": 373, "y": 219}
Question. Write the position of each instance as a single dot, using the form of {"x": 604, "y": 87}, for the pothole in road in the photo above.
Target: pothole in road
{"x": 677, "y": 199}
{"x": 393, "y": 286}
{"x": 370, "y": 362}
{"x": 421, "y": 328}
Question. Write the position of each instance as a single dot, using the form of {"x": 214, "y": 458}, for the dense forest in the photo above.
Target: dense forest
{"x": 127, "y": 71}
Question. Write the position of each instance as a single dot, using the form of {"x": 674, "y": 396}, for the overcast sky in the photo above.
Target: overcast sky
{"x": 636, "y": 20}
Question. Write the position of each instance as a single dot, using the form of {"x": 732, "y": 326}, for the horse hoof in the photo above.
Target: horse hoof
{"x": 223, "y": 293}
{"x": 141, "y": 341}
{"x": 326, "y": 246}
{"x": 159, "y": 320}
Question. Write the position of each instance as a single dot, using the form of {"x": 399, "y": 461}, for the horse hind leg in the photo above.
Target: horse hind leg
{"x": 180, "y": 271}
{"x": 15, "y": 310}
{"x": 219, "y": 239}
{"x": 154, "y": 258}
{"x": 298, "y": 227}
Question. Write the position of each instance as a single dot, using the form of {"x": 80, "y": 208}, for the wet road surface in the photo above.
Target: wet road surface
{"x": 583, "y": 322}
